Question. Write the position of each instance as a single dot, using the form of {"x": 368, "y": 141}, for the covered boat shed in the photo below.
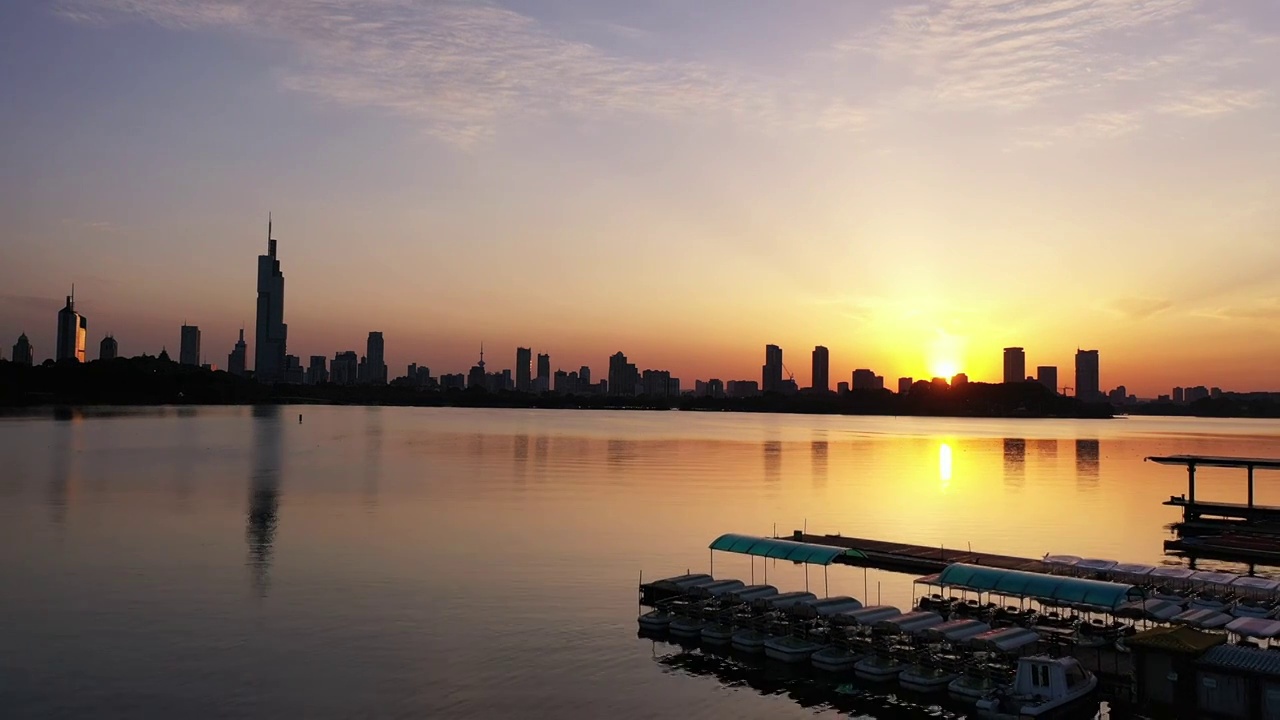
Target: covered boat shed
{"x": 1049, "y": 589}
{"x": 797, "y": 552}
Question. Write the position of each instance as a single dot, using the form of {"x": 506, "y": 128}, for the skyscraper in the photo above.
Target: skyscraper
{"x": 623, "y": 375}
{"x": 108, "y": 349}
{"x": 771, "y": 380}
{"x": 317, "y": 372}
{"x": 343, "y": 369}
{"x": 236, "y": 360}
{"x": 904, "y": 385}
{"x": 375, "y": 363}
{"x": 524, "y": 363}
{"x": 23, "y": 353}
{"x": 1047, "y": 375}
{"x": 271, "y": 331}
{"x": 821, "y": 369}
{"x": 189, "y": 348}
{"x": 1087, "y": 375}
{"x": 73, "y": 331}
{"x": 543, "y": 381}
{"x": 1015, "y": 365}
{"x": 476, "y": 378}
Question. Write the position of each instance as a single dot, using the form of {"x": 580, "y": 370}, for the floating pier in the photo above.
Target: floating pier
{"x": 914, "y": 559}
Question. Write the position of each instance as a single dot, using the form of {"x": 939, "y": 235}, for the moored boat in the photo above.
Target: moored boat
{"x": 656, "y": 620}
{"x": 926, "y": 679}
{"x": 879, "y": 668}
{"x": 835, "y": 658}
{"x": 1042, "y": 685}
{"x": 790, "y": 648}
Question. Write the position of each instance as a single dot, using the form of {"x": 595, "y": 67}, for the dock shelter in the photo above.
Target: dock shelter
{"x": 1046, "y": 589}
{"x": 1192, "y": 509}
{"x": 797, "y": 552}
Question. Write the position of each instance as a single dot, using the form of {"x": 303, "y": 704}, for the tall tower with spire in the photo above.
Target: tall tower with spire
{"x": 271, "y": 331}
{"x": 236, "y": 360}
{"x": 73, "y": 331}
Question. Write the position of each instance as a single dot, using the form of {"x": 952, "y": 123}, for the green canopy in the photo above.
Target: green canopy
{"x": 781, "y": 549}
{"x": 1039, "y": 586}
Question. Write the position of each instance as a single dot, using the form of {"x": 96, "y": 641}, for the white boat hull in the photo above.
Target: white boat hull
{"x": 790, "y": 649}
{"x": 655, "y": 620}
{"x": 926, "y": 680}
{"x": 717, "y": 634}
{"x": 878, "y": 669}
{"x": 685, "y": 627}
{"x": 835, "y": 659}
{"x": 970, "y": 690}
{"x": 749, "y": 641}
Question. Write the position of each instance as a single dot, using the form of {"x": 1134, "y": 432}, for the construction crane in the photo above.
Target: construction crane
{"x": 1063, "y": 390}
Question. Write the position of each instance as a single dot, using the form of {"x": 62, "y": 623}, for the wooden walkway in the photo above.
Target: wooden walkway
{"x": 919, "y": 559}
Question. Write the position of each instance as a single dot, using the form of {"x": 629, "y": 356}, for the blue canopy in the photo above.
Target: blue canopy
{"x": 1039, "y": 586}
{"x": 781, "y": 549}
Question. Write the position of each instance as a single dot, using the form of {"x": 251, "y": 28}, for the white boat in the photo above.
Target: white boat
{"x": 751, "y": 593}
{"x": 865, "y": 616}
{"x": 716, "y": 588}
{"x": 879, "y": 668}
{"x": 926, "y": 679}
{"x": 790, "y": 648}
{"x": 910, "y": 623}
{"x": 749, "y": 640}
{"x": 972, "y": 687}
{"x": 834, "y": 658}
{"x": 656, "y": 620}
{"x": 956, "y": 631}
{"x": 717, "y": 634}
{"x": 686, "y": 626}
{"x": 1005, "y": 640}
{"x": 827, "y": 607}
{"x": 784, "y": 601}
{"x": 1042, "y": 685}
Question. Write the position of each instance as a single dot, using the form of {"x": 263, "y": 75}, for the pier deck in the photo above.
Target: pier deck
{"x": 918, "y": 559}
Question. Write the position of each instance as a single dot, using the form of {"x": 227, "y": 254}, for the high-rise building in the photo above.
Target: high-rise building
{"x": 73, "y": 331}
{"x": 189, "y": 346}
{"x": 821, "y": 369}
{"x": 108, "y": 349}
{"x": 657, "y": 383}
{"x": 1015, "y": 365}
{"x": 904, "y": 385}
{"x": 864, "y": 379}
{"x": 293, "y": 373}
{"x": 23, "y": 353}
{"x": 317, "y": 372}
{"x": 375, "y": 362}
{"x": 1087, "y": 375}
{"x": 1177, "y": 392}
{"x": 544, "y": 372}
{"x": 623, "y": 376}
{"x": 270, "y": 331}
{"x": 842, "y": 388}
{"x": 476, "y": 378}
{"x": 584, "y": 376}
{"x": 742, "y": 388}
{"x": 236, "y": 360}
{"x": 771, "y": 372}
{"x": 343, "y": 369}
{"x": 1047, "y": 375}
{"x": 524, "y": 364}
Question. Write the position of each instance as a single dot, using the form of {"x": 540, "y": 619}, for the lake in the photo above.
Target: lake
{"x": 451, "y": 563}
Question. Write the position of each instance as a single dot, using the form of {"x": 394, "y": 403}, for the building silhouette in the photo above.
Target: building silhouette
{"x": 842, "y": 388}
{"x": 1178, "y": 393}
{"x": 293, "y": 373}
{"x": 959, "y": 379}
{"x": 1087, "y": 375}
{"x": 904, "y": 385}
{"x": 375, "y": 361}
{"x": 1047, "y": 375}
{"x": 270, "y": 332}
{"x": 317, "y": 372}
{"x": 742, "y": 388}
{"x": 342, "y": 371}
{"x": 476, "y": 378}
{"x": 1015, "y": 365}
{"x": 23, "y": 353}
{"x": 821, "y": 369}
{"x": 542, "y": 383}
{"x": 73, "y": 331}
{"x": 623, "y": 376}
{"x": 236, "y": 360}
{"x": 524, "y": 363}
{"x": 108, "y": 349}
{"x": 771, "y": 372}
{"x": 189, "y": 346}
{"x": 864, "y": 379}
{"x": 584, "y": 376}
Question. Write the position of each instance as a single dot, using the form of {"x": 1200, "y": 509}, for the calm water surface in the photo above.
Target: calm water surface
{"x": 445, "y": 563}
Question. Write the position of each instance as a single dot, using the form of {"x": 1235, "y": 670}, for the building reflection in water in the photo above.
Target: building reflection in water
{"x": 1015, "y": 461}
{"x": 264, "y": 494}
{"x": 1087, "y": 460}
{"x": 1045, "y": 450}
{"x": 818, "y": 450}
{"x": 66, "y": 446}
{"x": 772, "y": 460}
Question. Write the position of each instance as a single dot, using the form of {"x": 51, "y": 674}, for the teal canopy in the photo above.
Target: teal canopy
{"x": 781, "y": 549}
{"x": 1039, "y": 586}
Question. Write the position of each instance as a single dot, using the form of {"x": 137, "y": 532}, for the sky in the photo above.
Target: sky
{"x": 913, "y": 185}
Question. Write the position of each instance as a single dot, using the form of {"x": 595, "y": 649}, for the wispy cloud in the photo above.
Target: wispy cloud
{"x": 1215, "y": 101}
{"x": 462, "y": 69}
{"x": 1093, "y": 126}
{"x": 1266, "y": 310}
{"x": 1138, "y": 308}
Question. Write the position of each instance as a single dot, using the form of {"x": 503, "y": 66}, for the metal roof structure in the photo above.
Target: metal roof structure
{"x": 1038, "y": 586}
{"x": 1240, "y": 658}
{"x": 810, "y": 553}
{"x": 1178, "y": 638}
{"x": 1217, "y": 461}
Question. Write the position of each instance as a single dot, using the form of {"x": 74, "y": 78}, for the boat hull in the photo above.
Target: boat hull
{"x": 655, "y": 621}
{"x": 749, "y": 641}
{"x": 717, "y": 634}
{"x": 926, "y": 680}
{"x": 685, "y": 627}
{"x": 790, "y": 649}
{"x": 835, "y": 659}
{"x": 878, "y": 669}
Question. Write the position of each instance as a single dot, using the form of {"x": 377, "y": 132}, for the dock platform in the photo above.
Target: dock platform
{"x": 917, "y": 559}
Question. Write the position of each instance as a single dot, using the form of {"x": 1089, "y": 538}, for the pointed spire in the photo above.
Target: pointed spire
{"x": 271, "y": 241}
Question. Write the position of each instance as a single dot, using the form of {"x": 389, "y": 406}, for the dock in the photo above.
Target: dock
{"x": 914, "y": 559}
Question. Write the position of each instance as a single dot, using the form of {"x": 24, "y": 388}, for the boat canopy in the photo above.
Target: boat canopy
{"x": 1206, "y": 619}
{"x": 1061, "y": 560}
{"x": 1005, "y": 639}
{"x": 1052, "y": 588}
{"x": 786, "y": 600}
{"x": 1173, "y": 573}
{"x": 1254, "y": 627}
{"x": 910, "y": 623}
{"x": 753, "y": 592}
{"x": 716, "y": 588}
{"x": 957, "y": 630}
{"x": 1214, "y": 578}
{"x": 828, "y": 606}
{"x": 1150, "y": 609}
{"x": 681, "y": 582}
{"x": 866, "y": 616}
{"x": 1255, "y": 583}
{"x": 810, "y": 553}
{"x": 1096, "y": 564}
{"x": 1134, "y": 569}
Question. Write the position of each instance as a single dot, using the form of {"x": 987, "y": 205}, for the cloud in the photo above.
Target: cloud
{"x": 1217, "y": 101}
{"x": 1093, "y": 126}
{"x": 1266, "y": 310}
{"x": 462, "y": 69}
{"x": 1138, "y": 308}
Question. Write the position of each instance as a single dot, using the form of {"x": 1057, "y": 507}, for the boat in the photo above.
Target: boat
{"x": 865, "y": 616}
{"x": 790, "y": 648}
{"x": 716, "y": 588}
{"x": 927, "y": 678}
{"x": 956, "y": 631}
{"x": 1042, "y": 685}
{"x": 672, "y": 587}
{"x": 980, "y": 680}
{"x": 750, "y": 593}
{"x": 828, "y": 606}
{"x": 783, "y": 601}
{"x": 880, "y": 667}
{"x": 836, "y": 658}
{"x": 749, "y": 640}
{"x": 936, "y": 602}
{"x": 656, "y": 620}
{"x": 717, "y": 634}
{"x": 1005, "y": 640}
{"x": 687, "y": 626}
{"x": 909, "y": 623}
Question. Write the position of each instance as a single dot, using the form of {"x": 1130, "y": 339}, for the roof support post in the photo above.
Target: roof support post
{"x": 1191, "y": 484}
{"x": 1250, "y": 487}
